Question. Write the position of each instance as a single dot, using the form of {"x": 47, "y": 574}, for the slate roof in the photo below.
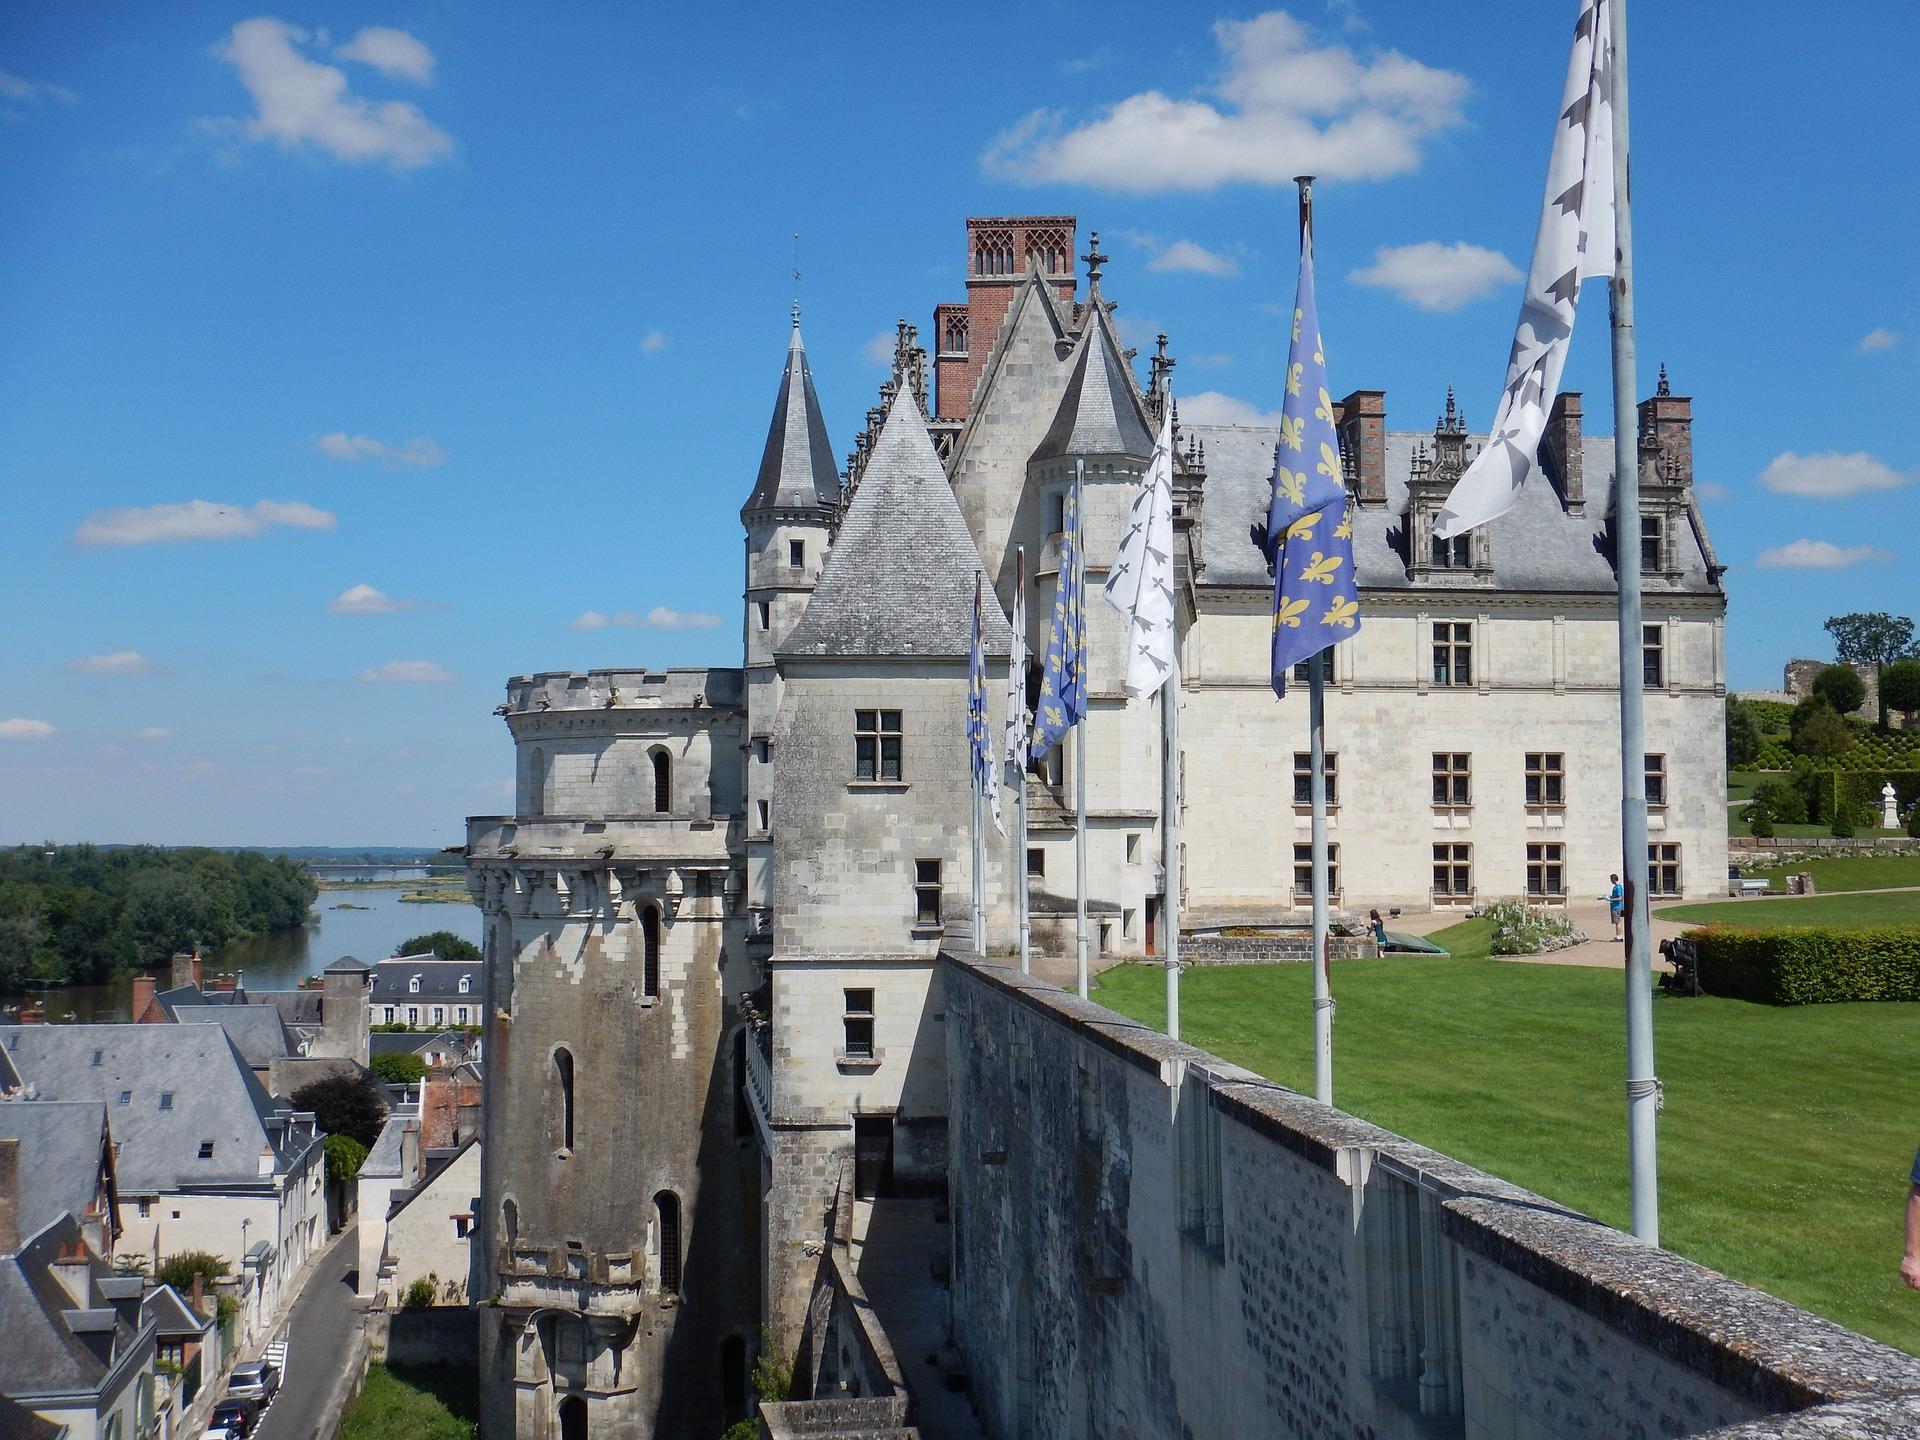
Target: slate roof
{"x": 899, "y": 578}
{"x": 439, "y": 980}
{"x": 414, "y": 1042}
{"x": 1099, "y": 412}
{"x": 347, "y": 964}
{"x": 214, "y": 1096}
{"x": 44, "y": 1352}
{"x": 19, "y": 1423}
{"x": 60, "y": 1145}
{"x": 797, "y": 469}
{"x": 387, "y": 1159}
{"x": 258, "y": 1032}
{"x": 1536, "y": 546}
{"x": 171, "y": 1313}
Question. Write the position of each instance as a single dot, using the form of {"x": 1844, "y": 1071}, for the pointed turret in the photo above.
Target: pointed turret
{"x": 1100, "y": 413}
{"x": 899, "y": 579}
{"x": 797, "y": 469}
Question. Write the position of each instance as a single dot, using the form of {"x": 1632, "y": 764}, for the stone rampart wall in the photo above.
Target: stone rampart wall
{"x": 1152, "y": 1243}
{"x": 1267, "y": 949}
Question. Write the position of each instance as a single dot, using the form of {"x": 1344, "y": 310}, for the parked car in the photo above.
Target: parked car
{"x": 234, "y": 1416}
{"x": 256, "y": 1380}
{"x": 221, "y": 1432}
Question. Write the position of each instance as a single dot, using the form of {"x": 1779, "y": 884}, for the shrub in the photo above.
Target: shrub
{"x": 1809, "y": 967}
{"x": 345, "y": 1156}
{"x": 1819, "y": 730}
{"x": 178, "y": 1270}
{"x": 1759, "y": 821}
{"x": 1913, "y": 821}
{"x": 421, "y": 1294}
{"x": 1842, "y": 826}
{"x": 1520, "y": 929}
{"x": 1841, "y": 687}
{"x": 1829, "y": 791}
{"x": 399, "y": 1068}
{"x": 1783, "y": 801}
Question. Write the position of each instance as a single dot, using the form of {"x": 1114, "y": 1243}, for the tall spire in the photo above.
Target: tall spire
{"x": 797, "y": 470}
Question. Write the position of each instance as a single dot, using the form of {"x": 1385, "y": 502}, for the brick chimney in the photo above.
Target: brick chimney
{"x": 186, "y": 970}
{"x": 1362, "y": 420}
{"x": 1000, "y": 249}
{"x": 33, "y": 1013}
{"x": 221, "y": 983}
{"x": 1563, "y": 450}
{"x": 1666, "y": 420}
{"x": 9, "y": 1196}
{"x": 198, "y": 1296}
{"x": 143, "y": 988}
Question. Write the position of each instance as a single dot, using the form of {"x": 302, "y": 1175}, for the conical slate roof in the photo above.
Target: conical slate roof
{"x": 899, "y": 578}
{"x": 1098, "y": 415}
{"x": 797, "y": 469}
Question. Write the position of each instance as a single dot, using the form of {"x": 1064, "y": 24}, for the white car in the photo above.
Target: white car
{"x": 257, "y": 1380}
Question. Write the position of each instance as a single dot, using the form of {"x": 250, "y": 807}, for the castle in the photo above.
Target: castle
{"x": 730, "y": 983}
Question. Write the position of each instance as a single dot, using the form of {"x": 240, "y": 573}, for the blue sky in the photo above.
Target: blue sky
{"x": 466, "y": 322}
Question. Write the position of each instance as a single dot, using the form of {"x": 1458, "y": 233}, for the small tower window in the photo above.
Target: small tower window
{"x": 764, "y": 609}
{"x": 796, "y": 553}
{"x": 563, "y": 1073}
{"x": 650, "y": 952}
{"x": 666, "y": 1214}
{"x": 662, "y": 782}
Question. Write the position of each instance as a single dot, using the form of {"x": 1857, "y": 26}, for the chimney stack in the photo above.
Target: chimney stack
{"x": 199, "y": 1294}
{"x": 143, "y": 988}
{"x": 1563, "y": 449}
{"x": 1362, "y": 422}
{"x": 33, "y": 1013}
{"x": 9, "y": 1196}
{"x": 186, "y": 970}
{"x": 1666, "y": 421}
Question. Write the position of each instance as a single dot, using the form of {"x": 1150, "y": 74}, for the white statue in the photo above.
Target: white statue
{"x": 1889, "y": 808}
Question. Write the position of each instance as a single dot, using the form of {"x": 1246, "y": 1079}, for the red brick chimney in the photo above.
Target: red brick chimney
{"x": 143, "y": 988}
{"x": 1362, "y": 420}
{"x": 33, "y": 1013}
{"x": 199, "y": 1296}
{"x": 1666, "y": 420}
{"x": 1000, "y": 250}
{"x": 1563, "y": 448}
{"x": 9, "y": 1196}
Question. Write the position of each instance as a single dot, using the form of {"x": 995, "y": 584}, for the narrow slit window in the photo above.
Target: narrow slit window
{"x": 662, "y": 782}
{"x": 563, "y": 1077}
{"x": 1656, "y": 782}
{"x": 666, "y": 1211}
{"x": 650, "y": 952}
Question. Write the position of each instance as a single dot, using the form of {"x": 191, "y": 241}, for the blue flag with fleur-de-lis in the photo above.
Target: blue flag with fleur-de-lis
{"x": 986, "y": 781}
{"x": 1316, "y": 600}
{"x": 1063, "y": 692}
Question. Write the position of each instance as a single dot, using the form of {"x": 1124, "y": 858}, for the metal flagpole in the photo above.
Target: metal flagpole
{"x": 1317, "y": 793}
{"x": 1020, "y": 794}
{"x": 1170, "y": 833}
{"x": 1643, "y": 1089}
{"x": 1078, "y": 621}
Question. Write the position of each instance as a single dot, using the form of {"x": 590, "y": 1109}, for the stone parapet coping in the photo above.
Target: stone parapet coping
{"x": 1775, "y": 1355}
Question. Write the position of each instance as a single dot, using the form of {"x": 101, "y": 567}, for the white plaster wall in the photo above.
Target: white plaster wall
{"x": 423, "y": 1238}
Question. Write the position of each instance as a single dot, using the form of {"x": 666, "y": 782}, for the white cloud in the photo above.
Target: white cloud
{"x": 1435, "y": 276}
{"x": 1712, "y": 490}
{"x": 1210, "y": 407}
{"x": 21, "y": 729}
{"x": 1879, "y": 338}
{"x": 152, "y": 732}
{"x": 198, "y": 520}
{"x": 394, "y": 53}
{"x": 658, "y": 618}
{"x": 299, "y": 102}
{"x": 879, "y": 350}
{"x": 119, "y": 662}
{"x": 1082, "y": 64}
{"x": 654, "y": 341}
{"x": 1186, "y": 255}
{"x": 365, "y": 600}
{"x": 419, "y": 453}
{"x": 32, "y": 92}
{"x": 407, "y": 672}
{"x": 1830, "y": 475}
{"x": 1281, "y": 107}
{"x": 1818, "y": 555}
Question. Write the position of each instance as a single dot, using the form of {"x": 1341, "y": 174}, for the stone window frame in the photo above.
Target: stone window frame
{"x": 1653, "y": 655}
{"x": 661, "y": 760}
{"x": 1452, "y": 780}
{"x": 876, "y": 732}
{"x": 1036, "y": 862}
{"x": 1303, "y": 781}
{"x": 1450, "y": 554}
{"x": 565, "y": 1078}
{"x": 1664, "y": 875}
{"x": 1303, "y": 873}
{"x": 1453, "y": 654}
{"x": 667, "y": 1243}
{"x": 1547, "y": 858}
{"x": 1653, "y": 532}
{"x": 857, "y": 1026}
{"x": 1655, "y": 771}
{"x": 928, "y": 892}
{"x": 1453, "y": 863}
{"x": 650, "y": 920}
{"x": 1545, "y": 780}
{"x": 796, "y": 554}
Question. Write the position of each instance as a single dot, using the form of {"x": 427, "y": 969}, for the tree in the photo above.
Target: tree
{"x": 1900, "y": 686}
{"x": 1743, "y": 733}
{"x": 345, "y": 1155}
{"x": 1818, "y": 729}
{"x": 399, "y": 1068}
{"x": 345, "y": 1104}
{"x": 444, "y": 943}
{"x": 1841, "y": 687}
{"x": 1872, "y": 638}
{"x": 179, "y": 1270}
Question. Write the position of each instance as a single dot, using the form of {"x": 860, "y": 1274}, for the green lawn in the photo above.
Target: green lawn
{"x": 1862, "y": 872}
{"x": 1784, "y": 1146}
{"x": 1468, "y": 940}
{"x": 1852, "y": 912}
{"x": 425, "y": 1402}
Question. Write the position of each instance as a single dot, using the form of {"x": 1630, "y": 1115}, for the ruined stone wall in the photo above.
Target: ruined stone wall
{"x": 1152, "y": 1243}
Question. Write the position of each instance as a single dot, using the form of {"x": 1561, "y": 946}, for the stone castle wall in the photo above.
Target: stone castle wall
{"x": 1150, "y": 1243}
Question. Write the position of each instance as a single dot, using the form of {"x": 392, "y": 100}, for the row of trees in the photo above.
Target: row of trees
{"x": 81, "y": 914}
{"x": 1884, "y": 642}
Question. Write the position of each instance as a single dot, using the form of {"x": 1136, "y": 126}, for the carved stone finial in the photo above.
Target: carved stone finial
{"x": 796, "y": 314}
{"x": 1452, "y": 422}
{"x": 1094, "y": 259}
{"x": 1663, "y": 388}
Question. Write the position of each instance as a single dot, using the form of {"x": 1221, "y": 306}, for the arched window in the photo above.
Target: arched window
{"x": 563, "y": 1072}
{"x": 510, "y": 1221}
{"x": 662, "y": 782}
{"x": 733, "y": 1375}
{"x": 573, "y": 1418}
{"x": 666, "y": 1219}
{"x": 650, "y": 952}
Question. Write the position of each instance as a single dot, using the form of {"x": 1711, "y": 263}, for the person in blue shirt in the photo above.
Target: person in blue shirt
{"x": 1378, "y": 927}
{"x": 1616, "y": 903}
{"x": 1910, "y": 1262}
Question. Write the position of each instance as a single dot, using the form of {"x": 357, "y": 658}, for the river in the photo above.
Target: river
{"x": 376, "y": 922}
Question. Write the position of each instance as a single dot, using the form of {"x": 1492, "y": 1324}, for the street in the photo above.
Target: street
{"x": 320, "y": 1332}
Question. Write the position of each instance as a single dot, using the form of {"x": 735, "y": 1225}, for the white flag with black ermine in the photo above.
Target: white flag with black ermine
{"x": 1140, "y": 584}
{"x": 1575, "y": 243}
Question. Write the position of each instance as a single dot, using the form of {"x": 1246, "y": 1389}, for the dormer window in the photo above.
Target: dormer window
{"x": 1454, "y": 554}
{"x": 466, "y": 984}
{"x": 1652, "y": 533}
{"x": 206, "y": 1149}
{"x": 413, "y": 985}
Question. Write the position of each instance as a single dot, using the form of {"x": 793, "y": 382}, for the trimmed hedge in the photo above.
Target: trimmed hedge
{"x": 1809, "y": 967}
{"x": 1856, "y": 791}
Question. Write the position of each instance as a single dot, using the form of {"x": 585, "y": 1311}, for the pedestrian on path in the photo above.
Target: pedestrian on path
{"x": 1616, "y": 899}
{"x": 1910, "y": 1262}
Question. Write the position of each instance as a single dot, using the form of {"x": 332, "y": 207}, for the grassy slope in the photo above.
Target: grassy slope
{"x": 1863, "y": 872}
{"x": 1852, "y": 912}
{"x": 431, "y": 1402}
{"x": 1784, "y": 1146}
{"x": 1467, "y": 940}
